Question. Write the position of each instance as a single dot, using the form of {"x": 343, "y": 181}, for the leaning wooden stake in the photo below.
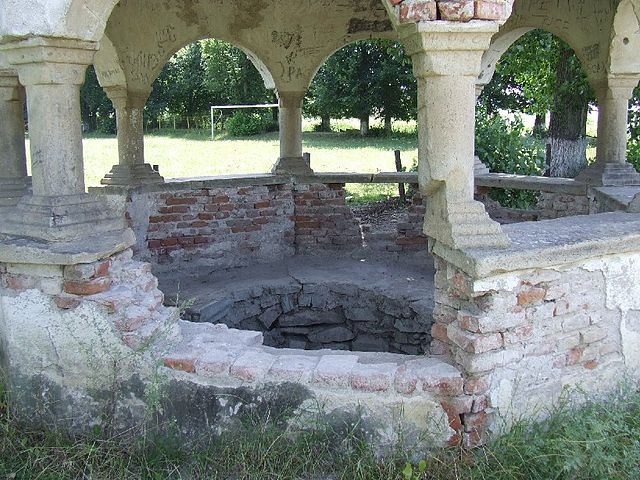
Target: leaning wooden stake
{"x": 401, "y": 191}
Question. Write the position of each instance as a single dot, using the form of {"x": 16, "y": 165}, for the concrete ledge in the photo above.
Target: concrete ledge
{"x": 524, "y": 182}
{"x": 196, "y": 183}
{"x": 495, "y": 180}
{"x": 86, "y": 250}
{"x": 550, "y": 243}
{"x": 618, "y": 196}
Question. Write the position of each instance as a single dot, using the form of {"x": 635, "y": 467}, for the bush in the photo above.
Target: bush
{"x": 504, "y": 146}
{"x": 242, "y": 124}
{"x": 633, "y": 152}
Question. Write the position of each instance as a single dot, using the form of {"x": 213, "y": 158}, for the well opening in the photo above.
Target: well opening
{"x": 339, "y": 304}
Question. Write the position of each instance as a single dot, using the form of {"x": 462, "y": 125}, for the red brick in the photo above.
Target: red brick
{"x": 490, "y": 10}
{"x": 102, "y": 268}
{"x": 154, "y": 243}
{"x": 574, "y": 356}
{"x": 531, "y": 295}
{"x": 87, "y": 287}
{"x": 20, "y": 282}
{"x": 421, "y": 240}
{"x": 591, "y": 365}
{"x": 455, "y": 421}
{"x": 439, "y": 332}
{"x": 475, "y": 421}
{"x": 182, "y": 364}
{"x": 417, "y": 10}
{"x": 181, "y": 201}
{"x": 169, "y": 242}
{"x": 180, "y": 209}
{"x": 227, "y": 207}
{"x": 66, "y": 302}
{"x": 262, "y": 204}
{"x": 244, "y": 191}
{"x": 261, "y": 221}
{"x": 476, "y": 386}
{"x": 220, "y": 199}
{"x": 199, "y": 223}
{"x": 456, "y": 10}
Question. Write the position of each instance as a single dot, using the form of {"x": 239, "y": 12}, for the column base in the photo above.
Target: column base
{"x": 139, "y": 174}
{"x": 479, "y": 168}
{"x": 609, "y": 175}
{"x": 61, "y": 219}
{"x": 467, "y": 226}
{"x": 13, "y": 189}
{"x": 292, "y": 166}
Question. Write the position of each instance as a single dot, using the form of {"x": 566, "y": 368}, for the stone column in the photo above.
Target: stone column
{"x": 131, "y": 169}
{"x": 611, "y": 167}
{"x": 291, "y": 160}
{"x": 446, "y": 61}
{"x": 52, "y": 71}
{"x": 14, "y": 182}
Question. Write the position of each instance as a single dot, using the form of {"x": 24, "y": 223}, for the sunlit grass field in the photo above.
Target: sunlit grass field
{"x": 180, "y": 153}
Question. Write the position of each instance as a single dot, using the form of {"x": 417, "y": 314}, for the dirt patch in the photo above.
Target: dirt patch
{"x": 382, "y": 216}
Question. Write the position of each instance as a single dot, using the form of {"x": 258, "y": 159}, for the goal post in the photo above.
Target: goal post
{"x": 233, "y": 107}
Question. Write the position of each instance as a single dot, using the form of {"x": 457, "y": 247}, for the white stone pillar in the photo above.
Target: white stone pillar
{"x": 52, "y": 71}
{"x": 611, "y": 167}
{"x": 131, "y": 169}
{"x": 14, "y": 182}
{"x": 291, "y": 160}
{"x": 446, "y": 61}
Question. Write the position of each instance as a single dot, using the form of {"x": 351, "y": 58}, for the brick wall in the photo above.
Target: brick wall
{"x": 410, "y": 233}
{"x": 322, "y": 219}
{"x": 524, "y": 339}
{"x": 223, "y": 226}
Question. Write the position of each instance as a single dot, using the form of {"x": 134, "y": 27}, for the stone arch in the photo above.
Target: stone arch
{"x": 329, "y": 53}
{"x": 107, "y": 64}
{"x": 503, "y": 40}
{"x": 258, "y": 63}
{"x": 80, "y": 19}
{"x": 88, "y": 18}
{"x": 625, "y": 39}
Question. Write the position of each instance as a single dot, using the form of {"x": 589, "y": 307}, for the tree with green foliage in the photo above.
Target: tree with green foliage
{"x": 96, "y": 109}
{"x": 230, "y": 77}
{"x": 540, "y": 73}
{"x": 365, "y": 78}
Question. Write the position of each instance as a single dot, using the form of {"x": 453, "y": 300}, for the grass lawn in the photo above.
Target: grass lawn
{"x": 192, "y": 153}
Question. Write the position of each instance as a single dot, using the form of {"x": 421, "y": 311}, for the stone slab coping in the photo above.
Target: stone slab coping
{"x": 551, "y": 243}
{"x": 497, "y": 180}
{"x": 238, "y": 357}
{"x": 620, "y": 195}
{"x": 196, "y": 183}
{"x": 525, "y": 182}
{"x": 85, "y": 250}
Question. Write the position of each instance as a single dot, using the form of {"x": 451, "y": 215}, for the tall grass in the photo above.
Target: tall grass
{"x": 596, "y": 441}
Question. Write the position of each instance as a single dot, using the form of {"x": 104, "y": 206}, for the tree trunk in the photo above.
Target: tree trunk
{"x": 364, "y": 126}
{"x": 325, "y": 125}
{"x": 568, "y": 126}
{"x": 540, "y": 124}
{"x": 387, "y": 124}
